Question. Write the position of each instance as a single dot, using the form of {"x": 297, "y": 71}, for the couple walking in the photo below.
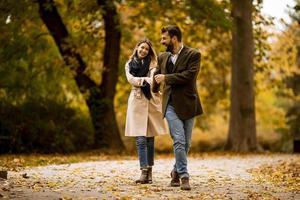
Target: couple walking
{"x": 174, "y": 72}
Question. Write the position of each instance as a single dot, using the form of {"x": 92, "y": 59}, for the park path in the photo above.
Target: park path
{"x": 217, "y": 177}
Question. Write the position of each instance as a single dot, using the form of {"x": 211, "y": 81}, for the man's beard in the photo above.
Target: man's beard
{"x": 170, "y": 47}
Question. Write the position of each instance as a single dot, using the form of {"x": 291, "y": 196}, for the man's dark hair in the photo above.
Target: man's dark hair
{"x": 173, "y": 30}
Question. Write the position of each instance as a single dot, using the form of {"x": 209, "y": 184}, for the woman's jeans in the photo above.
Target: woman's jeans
{"x": 181, "y": 133}
{"x": 145, "y": 149}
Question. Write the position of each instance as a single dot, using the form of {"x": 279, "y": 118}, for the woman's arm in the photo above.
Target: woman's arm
{"x": 135, "y": 81}
{"x": 156, "y": 85}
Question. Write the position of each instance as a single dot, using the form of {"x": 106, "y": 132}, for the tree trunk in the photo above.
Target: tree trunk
{"x": 106, "y": 117}
{"x": 100, "y": 98}
{"x": 242, "y": 127}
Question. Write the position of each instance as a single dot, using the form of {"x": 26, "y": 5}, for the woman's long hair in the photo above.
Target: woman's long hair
{"x": 151, "y": 52}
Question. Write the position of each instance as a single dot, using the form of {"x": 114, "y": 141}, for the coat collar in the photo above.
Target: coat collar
{"x": 181, "y": 57}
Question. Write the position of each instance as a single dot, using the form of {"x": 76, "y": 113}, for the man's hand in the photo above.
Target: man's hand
{"x": 159, "y": 78}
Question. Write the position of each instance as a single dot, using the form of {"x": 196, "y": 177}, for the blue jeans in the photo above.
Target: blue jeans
{"x": 181, "y": 133}
{"x": 145, "y": 149}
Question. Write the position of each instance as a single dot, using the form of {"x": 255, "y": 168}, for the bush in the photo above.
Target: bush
{"x": 43, "y": 126}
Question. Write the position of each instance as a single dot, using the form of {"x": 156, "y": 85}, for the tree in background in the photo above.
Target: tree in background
{"x": 293, "y": 81}
{"x": 242, "y": 127}
{"x": 284, "y": 79}
{"x": 35, "y": 88}
{"x": 100, "y": 98}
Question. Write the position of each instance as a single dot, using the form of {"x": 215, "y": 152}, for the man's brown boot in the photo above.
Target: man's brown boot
{"x": 185, "y": 185}
{"x": 149, "y": 175}
{"x": 175, "y": 182}
{"x": 144, "y": 177}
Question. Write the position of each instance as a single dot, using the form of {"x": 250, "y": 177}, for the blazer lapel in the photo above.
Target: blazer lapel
{"x": 180, "y": 58}
{"x": 164, "y": 63}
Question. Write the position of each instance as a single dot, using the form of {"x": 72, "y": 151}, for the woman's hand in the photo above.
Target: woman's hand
{"x": 159, "y": 78}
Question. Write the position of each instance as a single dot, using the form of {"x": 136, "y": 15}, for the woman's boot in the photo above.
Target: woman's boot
{"x": 150, "y": 174}
{"x": 144, "y": 177}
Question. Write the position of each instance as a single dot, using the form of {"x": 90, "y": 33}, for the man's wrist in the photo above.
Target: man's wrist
{"x": 166, "y": 78}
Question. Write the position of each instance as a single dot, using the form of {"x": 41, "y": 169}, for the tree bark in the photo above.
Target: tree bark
{"x": 242, "y": 127}
{"x": 106, "y": 113}
{"x": 100, "y": 98}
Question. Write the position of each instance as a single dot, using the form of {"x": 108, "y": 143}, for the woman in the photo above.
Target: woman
{"x": 144, "y": 119}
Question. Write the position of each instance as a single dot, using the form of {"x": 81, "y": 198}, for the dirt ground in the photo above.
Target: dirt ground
{"x": 216, "y": 177}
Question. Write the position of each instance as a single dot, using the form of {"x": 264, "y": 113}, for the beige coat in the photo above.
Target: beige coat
{"x": 144, "y": 117}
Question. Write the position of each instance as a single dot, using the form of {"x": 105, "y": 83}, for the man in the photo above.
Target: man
{"x": 178, "y": 68}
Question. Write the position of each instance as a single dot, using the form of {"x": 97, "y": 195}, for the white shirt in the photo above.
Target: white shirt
{"x": 175, "y": 56}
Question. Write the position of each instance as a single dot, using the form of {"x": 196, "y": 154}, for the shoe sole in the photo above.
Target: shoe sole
{"x": 144, "y": 182}
{"x": 174, "y": 184}
{"x": 185, "y": 188}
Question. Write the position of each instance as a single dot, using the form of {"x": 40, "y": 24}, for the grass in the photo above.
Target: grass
{"x": 14, "y": 162}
